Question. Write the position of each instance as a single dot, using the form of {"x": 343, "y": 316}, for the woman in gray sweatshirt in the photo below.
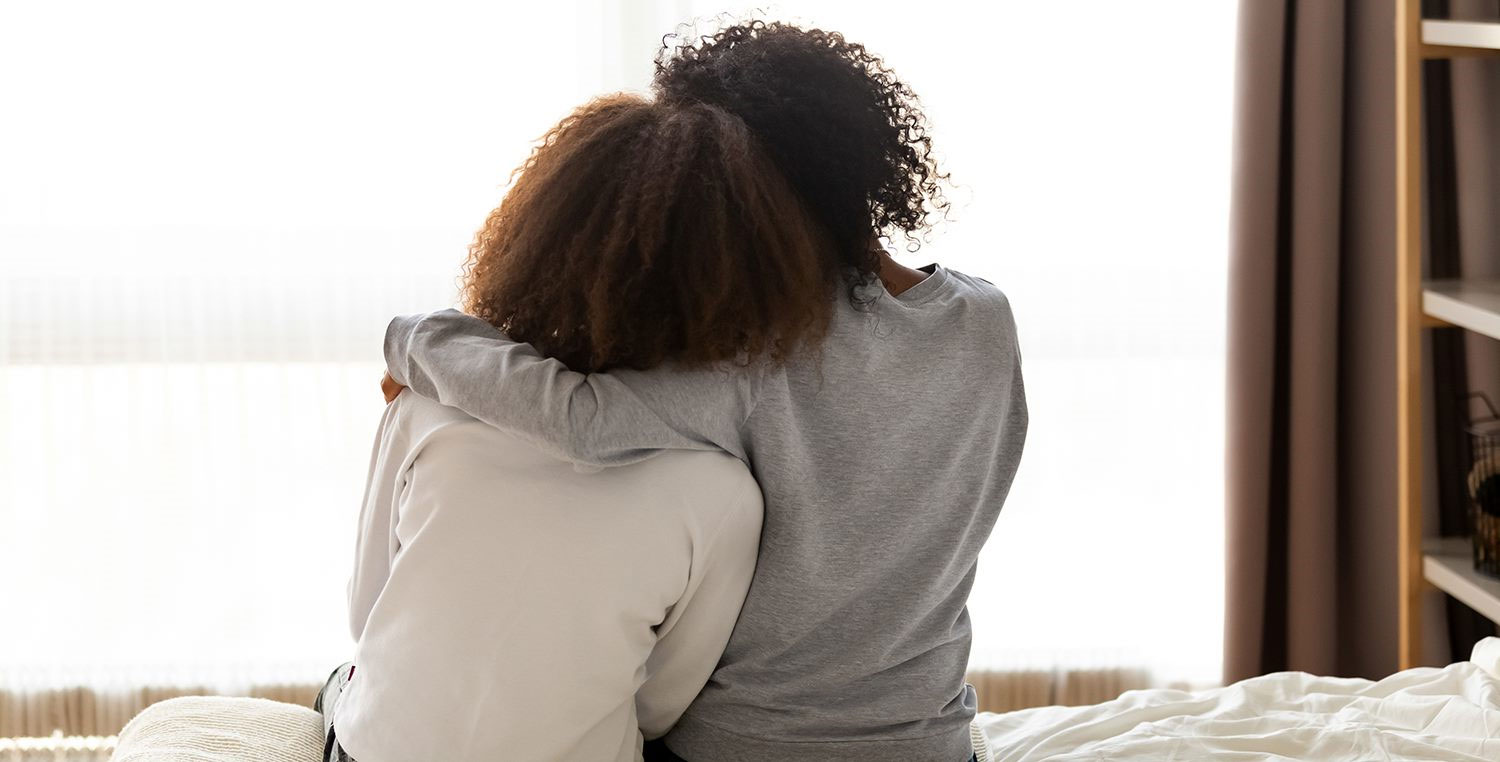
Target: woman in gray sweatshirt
{"x": 884, "y": 456}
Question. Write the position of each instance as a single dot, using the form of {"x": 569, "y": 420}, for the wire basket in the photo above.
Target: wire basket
{"x": 1484, "y": 491}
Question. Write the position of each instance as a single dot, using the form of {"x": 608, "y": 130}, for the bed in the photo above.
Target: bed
{"x": 1450, "y": 714}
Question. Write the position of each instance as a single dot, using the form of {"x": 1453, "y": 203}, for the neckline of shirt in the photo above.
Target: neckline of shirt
{"x": 929, "y": 287}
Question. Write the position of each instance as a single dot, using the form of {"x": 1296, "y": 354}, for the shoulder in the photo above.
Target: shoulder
{"x": 418, "y": 425}
{"x": 716, "y": 486}
{"x": 417, "y": 416}
{"x": 978, "y": 289}
{"x": 984, "y": 299}
{"x": 694, "y": 471}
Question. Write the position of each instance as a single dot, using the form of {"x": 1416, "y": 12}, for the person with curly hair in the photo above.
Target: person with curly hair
{"x": 506, "y": 605}
{"x": 847, "y": 132}
{"x": 884, "y": 453}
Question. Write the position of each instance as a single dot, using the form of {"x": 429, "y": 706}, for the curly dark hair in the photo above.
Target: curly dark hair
{"x": 849, "y": 135}
{"x": 640, "y": 232}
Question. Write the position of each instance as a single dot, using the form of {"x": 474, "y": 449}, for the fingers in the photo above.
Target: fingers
{"x": 390, "y": 388}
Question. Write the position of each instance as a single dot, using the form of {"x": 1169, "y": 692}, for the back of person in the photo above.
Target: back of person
{"x": 887, "y": 457}
{"x": 510, "y": 606}
{"x": 884, "y": 460}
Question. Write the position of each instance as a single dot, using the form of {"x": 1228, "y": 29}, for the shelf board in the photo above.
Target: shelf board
{"x": 1449, "y": 565}
{"x": 1461, "y": 34}
{"x": 1471, "y": 304}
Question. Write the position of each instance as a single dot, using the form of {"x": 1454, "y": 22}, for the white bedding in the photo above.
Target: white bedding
{"x": 1437, "y": 715}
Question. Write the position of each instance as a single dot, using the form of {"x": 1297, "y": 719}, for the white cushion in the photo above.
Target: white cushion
{"x": 222, "y": 729}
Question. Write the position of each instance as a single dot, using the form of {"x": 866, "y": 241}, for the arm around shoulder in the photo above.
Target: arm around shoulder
{"x": 595, "y": 419}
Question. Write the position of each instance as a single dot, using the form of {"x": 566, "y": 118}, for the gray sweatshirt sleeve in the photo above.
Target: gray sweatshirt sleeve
{"x": 597, "y": 419}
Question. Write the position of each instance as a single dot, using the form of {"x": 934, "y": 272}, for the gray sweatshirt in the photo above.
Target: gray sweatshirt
{"x": 884, "y": 460}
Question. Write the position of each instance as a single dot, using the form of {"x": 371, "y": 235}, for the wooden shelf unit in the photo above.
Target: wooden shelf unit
{"x": 1470, "y": 304}
{"x": 1441, "y": 38}
{"x": 1461, "y": 34}
{"x": 1448, "y": 564}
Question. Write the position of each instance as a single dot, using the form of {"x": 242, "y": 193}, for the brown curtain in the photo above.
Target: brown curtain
{"x": 1310, "y": 525}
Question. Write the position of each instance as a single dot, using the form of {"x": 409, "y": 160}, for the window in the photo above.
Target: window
{"x": 208, "y": 212}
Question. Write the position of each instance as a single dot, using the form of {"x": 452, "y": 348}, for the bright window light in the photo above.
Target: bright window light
{"x": 208, "y": 212}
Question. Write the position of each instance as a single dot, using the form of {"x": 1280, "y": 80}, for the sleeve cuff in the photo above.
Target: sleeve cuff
{"x": 397, "y": 339}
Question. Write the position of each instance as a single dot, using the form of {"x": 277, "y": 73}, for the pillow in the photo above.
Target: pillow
{"x": 222, "y": 729}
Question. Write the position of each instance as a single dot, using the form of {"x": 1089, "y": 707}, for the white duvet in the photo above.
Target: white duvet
{"x": 1437, "y": 715}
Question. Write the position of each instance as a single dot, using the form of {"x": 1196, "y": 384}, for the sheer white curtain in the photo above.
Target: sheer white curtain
{"x": 208, "y": 211}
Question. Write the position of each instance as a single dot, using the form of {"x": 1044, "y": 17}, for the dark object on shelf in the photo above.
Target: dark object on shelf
{"x": 1484, "y": 490}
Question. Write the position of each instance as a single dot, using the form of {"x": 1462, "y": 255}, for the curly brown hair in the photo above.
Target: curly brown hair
{"x": 640, "y": 232}
{"x": 849, "y": 135}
